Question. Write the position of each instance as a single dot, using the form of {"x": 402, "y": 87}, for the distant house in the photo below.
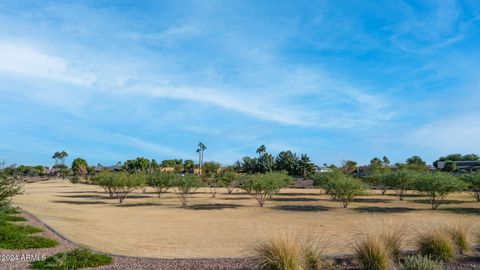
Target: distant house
{"x": 323, "y": 169}
{"x": 115, "y": 168}
{"x": 460, "y": 165}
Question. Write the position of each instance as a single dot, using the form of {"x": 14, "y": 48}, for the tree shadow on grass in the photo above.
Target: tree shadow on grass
{"x": 300, "y": 194}
{"x": 302, "y": 208}
{"x": 462, "y": 210}
{"x": 81, "y": 192}
{"x": 444, "y": 202}
{"x": 137, "y": 204}
{"x": 371, "y": 200}
{"x": 408, "y": 195}
{"x": 300, "y": 199}
{"x": 213, "y": 206}
{"x": 388, "y": 210}
{"x": 237, "y": 198}
{"x": 85, "y": 196}
{"x": 78, "y": 202}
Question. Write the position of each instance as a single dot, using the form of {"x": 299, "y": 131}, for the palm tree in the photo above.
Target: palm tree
{"x": 201, "y": 148}
{"x": 63, "y": 155}
{"x": 56, "y": 156}
{"x": 261, "y": 150}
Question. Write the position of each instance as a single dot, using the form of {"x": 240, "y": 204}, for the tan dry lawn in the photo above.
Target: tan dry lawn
{"x": 145, "y": 225}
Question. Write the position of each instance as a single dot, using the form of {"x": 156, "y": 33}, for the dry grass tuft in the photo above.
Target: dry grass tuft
{"x": 459, "y": 230}
{"x": 373, "y": 254}
{"x": 284, "y": 250}
{"x": 437, "y": 244}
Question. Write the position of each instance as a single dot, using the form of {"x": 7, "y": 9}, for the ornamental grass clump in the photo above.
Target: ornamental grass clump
{"x": 373, "y": 254}
{"x": 437, "y": 244}
{"x": 284, "y": 250}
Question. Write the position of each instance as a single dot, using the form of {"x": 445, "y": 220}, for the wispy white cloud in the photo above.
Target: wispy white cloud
{"x": 28, "y": 61}
{"x": 448, "y": 135}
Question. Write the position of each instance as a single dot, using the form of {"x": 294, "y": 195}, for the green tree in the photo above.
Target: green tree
{"x": 228, "y": 179}
{"x": 437, "y": 186}
{"x": 125, "y": 183}
{"x": 473, "y": 181}
{"x": 189, "y": 165}
{"x": 305, "y": 166}
{"x": 265, "y": 163}
{"x": 416, "y": 163}
{"x": 185, "y": 185}
{"x": 140, "y": 164}
{"x": 9, "y": 187}
{"x": 287, "y": 161}
{"x": 450, "y": 166}
{"x": 349, "y": 166}
{"x": 325, "y": 181}
{"x": 201, "y": 148}
{"x": 161, "y": 181}
{"x": 79, "y": 167}
{"x": 345, "y": 188}
{"x": 263, "y": 186}
{"x": 261, "y": 150}
{"x": 210, "y": 171}
{"x": 106, "y": 180}
{"x": 400, "y": 181}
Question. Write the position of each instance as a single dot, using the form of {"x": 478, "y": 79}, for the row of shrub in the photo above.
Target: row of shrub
{"x": 378, "y": 247}
{"x": 435, "y": 185}
{"x": 260, "y": 186}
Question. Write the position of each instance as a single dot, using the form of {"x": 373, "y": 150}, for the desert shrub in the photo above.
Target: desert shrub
{"x": 185, "y": 185}
{"x": 75, "y": 259}
{"x": 437, "y": 186}
{"x": 161, "y": 182}
{"x": 373, "y": 254}
{"x": 105, "y": 179}
{"x": 287, "y": 251}
{"x": 263, "y": 186}
{"x": 473, "y": 181}
{"x": 400, "y": 181}
{"x": 345, "y": 189}
{"x": 9, "y": 187}
{"x": 325, "y": 181}
{"x": 419, "y": 262}
{"x": 125, "y": 183}
{"x": 228, "y": 180}
{"x": 437, "y": 244}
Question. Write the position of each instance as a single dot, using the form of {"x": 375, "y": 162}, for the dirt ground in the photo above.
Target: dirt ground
{"x": 147, "y": 226}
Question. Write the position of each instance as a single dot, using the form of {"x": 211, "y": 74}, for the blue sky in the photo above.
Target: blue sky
{"x": 338, "y": 80}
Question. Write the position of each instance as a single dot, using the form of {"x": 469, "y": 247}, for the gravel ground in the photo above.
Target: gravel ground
{"x": 19, "y": 259}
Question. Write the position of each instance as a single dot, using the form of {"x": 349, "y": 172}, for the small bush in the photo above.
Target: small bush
{"x": 420, "y": 263}
{"x": 345, "y": 189}
{"x": 75, "y": 259}
{"x": 373, "y": 254}
{"x": 437, "y": 244}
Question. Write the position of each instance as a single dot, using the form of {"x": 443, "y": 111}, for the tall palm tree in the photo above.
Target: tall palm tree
{"x": 261, "y": 150}
{"x": 63, "y": 155}
{"x": 56, "y": 156}
{"x": 201, "y": 148}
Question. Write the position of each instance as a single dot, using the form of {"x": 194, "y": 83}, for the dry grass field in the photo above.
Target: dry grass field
{"x": 145, "y": 225}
